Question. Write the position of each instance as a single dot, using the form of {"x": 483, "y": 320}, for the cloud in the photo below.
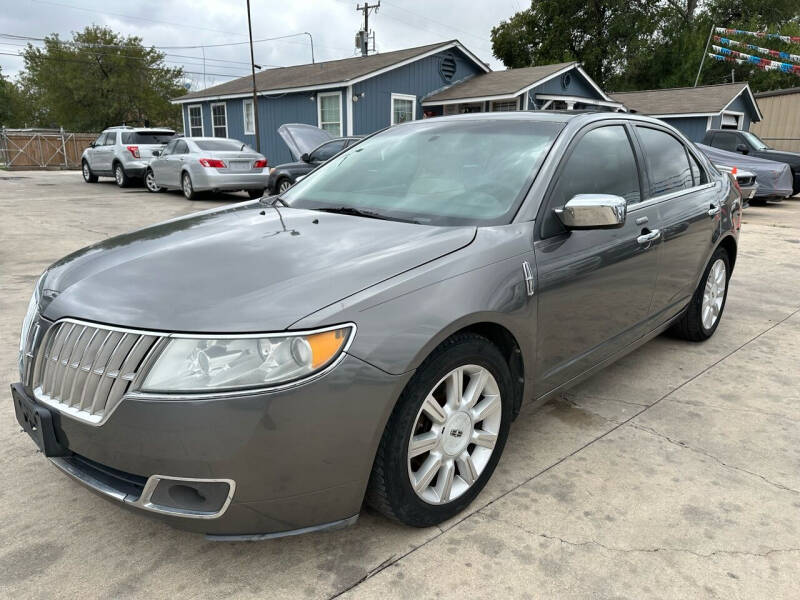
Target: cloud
{"x": 333, "y": 24}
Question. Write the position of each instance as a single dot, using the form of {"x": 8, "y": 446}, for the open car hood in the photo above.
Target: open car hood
{"x": 302, "y": 138}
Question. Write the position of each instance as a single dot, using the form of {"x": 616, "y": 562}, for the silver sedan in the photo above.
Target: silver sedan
{"x": 196, "y": 165}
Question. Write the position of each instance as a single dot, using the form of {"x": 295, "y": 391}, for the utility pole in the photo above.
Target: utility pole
{"x": 253, "y": 71}
{"x": 365, "y": 33}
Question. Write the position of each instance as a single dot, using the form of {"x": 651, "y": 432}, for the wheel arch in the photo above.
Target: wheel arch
{"x": 498, "y": 334}
{"x": 731, "y": 247}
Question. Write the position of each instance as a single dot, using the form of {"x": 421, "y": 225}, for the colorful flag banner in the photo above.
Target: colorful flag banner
{"x": 789, "y": 39}
{"x": 767, "y": 51}
{"x": 739, "y": 61}
{"x": 763, "y": 62}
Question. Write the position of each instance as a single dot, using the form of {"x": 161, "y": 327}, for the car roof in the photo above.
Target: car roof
{"x": 138, "y": 129}
{"x": 558, "y": 116}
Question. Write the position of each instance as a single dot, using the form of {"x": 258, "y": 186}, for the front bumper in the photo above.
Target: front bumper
{"x": 300, "y": 458}
{"x": 215, "y": 179}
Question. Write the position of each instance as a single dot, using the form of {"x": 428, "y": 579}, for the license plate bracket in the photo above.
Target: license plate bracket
{"x": 37, "y": 422}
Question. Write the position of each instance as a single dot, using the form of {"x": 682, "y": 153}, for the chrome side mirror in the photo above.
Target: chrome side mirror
{"x": 593, "y": 211}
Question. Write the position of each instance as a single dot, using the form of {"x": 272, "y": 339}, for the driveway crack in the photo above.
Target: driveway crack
{"x": 650, "y": 550}
{"x": 716, "y": 459}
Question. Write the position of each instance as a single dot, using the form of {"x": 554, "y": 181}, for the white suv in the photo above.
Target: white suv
{"x": 122, "y": 153}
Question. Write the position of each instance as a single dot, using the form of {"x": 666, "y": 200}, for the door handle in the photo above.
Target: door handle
{"x": 714, "y": 210}
{"x": 651, "y": 236}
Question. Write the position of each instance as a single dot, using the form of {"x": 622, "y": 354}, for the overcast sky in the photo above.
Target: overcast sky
{"x": 333, "y": 23}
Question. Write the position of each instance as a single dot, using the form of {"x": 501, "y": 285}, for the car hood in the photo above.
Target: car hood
{"x": 246, "y": 268}
{"x": 791, "y": 158}
{"x": 302, "y": 138}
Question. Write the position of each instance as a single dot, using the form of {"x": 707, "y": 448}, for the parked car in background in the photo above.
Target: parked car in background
{"x": 745, "y": 181}
{"x": 745, "y": 142}
{"x": 310, "y": 147}
{"x": 774, "y": 178}
{"x": 260, "y": 369}
{"x": 122, "y": 153}
{"x": 199, "y": 164}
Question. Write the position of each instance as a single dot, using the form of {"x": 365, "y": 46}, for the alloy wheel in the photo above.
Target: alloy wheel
{"x": 86, "y": 172}
{"x": 454, "y": 434}
{"x": 150, "y": 182}
{"x": 285, "y": 185}
{"x": 187, "y": 186}
{"x": 118, "y": 175}
{"x": 714, "y": 293}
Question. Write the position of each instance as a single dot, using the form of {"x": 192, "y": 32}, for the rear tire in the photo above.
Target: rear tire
{"x": 88, "y": 176}
{"x": 187, "y": 188}
{"x": 283, "y": 185}
{"x": 704, "y": 313}
{"x": 120, "y": 176}
{"x": 253, "y": 194}
{"x": 429, "y": 468}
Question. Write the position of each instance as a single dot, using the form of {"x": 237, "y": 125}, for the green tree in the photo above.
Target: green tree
{"x": 98, "y": 79}
{"x": 5, "y": 100}
{"x": 601, "y": 34}
{"x": 645, "y": 45}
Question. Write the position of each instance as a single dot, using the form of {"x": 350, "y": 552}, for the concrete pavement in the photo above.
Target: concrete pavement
{"x": 674, "y": 473}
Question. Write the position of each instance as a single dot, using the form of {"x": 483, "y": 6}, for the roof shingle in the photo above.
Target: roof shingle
{"x": 671, "y": 101}
{"x": 497, "y": 83}
{"x": 330, "y": 72}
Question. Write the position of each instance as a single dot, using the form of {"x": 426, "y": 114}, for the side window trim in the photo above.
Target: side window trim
{"x": 544, "y": 204}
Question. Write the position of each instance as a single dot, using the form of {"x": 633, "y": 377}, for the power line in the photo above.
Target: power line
{"x": 88, "y": 62}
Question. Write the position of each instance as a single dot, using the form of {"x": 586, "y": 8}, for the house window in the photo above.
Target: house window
{"x": 504, "y": 105}
{"x": 404, "y": 108}
{"x": 249, "y": 117}
{"x": 196, "y": 121}
{"x": 730, "y": 121}
{"x": 219, "y": 120}
{"x": 329, "y": 112}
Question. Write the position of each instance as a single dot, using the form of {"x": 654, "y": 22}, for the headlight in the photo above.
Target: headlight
{"x": 190, "y": 364}
{"x": 27, "y": 323}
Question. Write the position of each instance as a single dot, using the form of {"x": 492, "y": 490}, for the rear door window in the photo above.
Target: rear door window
{"x": 181, "y": 147}
{"x": 602, "y": 162}
{"x": 667, "y": 161}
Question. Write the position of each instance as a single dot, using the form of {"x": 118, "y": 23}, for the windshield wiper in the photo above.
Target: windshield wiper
{"x": 358, "y": 212}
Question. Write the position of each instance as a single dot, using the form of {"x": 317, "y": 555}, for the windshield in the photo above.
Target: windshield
{"x": 459, "y": 172}
{"x": 755, "y": 141}
{"x": 222, "y": 145}
{"x": 147, "y": 137}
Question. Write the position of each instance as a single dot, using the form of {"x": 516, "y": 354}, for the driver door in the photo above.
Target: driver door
{"x": 595, "y": 286}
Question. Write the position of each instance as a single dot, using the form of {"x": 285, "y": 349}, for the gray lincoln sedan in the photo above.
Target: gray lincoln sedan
{"x": 263, "y": 369}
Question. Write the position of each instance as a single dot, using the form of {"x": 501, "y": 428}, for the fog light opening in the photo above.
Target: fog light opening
{"x": 186, "y": 495}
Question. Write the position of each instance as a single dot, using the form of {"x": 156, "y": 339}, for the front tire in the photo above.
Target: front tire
{"x": 704, "y": 313}
{"x": 187, "y": 188}
{"x": 120, "y": 176}
{"x": 445, "y": 435}
{"x": 88, "y": 176}
{"x": 150, "y": 182}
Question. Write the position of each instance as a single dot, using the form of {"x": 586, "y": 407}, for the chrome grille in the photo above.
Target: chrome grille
{"x": 84, "y": 370}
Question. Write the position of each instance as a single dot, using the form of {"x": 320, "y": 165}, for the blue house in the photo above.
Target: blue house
{"x": 360, "y": 95}
{"x": 694, "y": 110}
{"x": 353, "y": 96}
